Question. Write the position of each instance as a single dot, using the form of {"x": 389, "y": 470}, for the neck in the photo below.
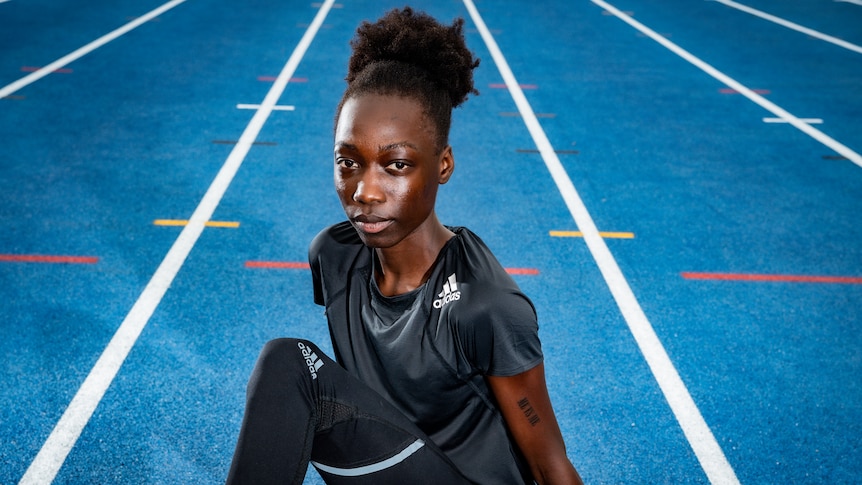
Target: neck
{"x": 407, "y": 265}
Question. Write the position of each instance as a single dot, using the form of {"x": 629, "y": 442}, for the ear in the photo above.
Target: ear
{"x": 447, "y": 165}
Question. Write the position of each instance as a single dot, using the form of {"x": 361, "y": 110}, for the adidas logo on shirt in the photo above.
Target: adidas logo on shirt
{"x": 311, "y": 360}
{"x": 449, "y": 294}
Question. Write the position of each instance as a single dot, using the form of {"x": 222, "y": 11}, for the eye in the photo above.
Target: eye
{"x": 345, "y": 163}
{"x": 398, "y": 165}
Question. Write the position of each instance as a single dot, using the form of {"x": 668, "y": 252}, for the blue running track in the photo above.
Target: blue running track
{"x": 695, "y": 258}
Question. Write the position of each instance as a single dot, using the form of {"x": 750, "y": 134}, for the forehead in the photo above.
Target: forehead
{"x": 382, "y": 116}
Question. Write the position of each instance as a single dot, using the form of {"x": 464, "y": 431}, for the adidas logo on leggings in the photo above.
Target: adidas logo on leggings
{"x": 311, "y": 360}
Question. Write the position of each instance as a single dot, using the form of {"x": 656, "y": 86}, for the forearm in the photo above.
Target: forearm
{"x": 526, "y": 407}
{"x": 556, "y": 472}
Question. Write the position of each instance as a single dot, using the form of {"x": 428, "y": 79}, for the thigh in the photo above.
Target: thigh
{"x": 302, "y": 406}
{"x": 362, "y": 438}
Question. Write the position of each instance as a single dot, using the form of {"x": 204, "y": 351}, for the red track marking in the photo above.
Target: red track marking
{"x": 538, "y": 115}
{"x": 234, "y": 142}
{"x": 772, "y": 278}
{"x": 37, "y": 258}
{"x": 559, "y": 152}
{"x": 522, "y": 271}
{"x": 733, "y": 91}
{"x": 34, "y": 69}
{"x": 273, "y": 78}
{"x": 503, "y": 86}
{"x": 277, "y": 265}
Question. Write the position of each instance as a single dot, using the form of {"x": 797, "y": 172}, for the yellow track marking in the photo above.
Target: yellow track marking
{"x": 607, "y": 235}
{"x": 183, "y": 222}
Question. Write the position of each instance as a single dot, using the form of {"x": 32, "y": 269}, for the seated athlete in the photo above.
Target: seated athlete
{"x": 439, "y": 376}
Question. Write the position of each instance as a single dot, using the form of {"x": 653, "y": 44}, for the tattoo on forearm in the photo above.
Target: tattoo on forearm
{"x": 529, "y": 413}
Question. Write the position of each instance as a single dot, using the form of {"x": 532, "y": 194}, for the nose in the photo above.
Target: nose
{"x": 368, "y": 189}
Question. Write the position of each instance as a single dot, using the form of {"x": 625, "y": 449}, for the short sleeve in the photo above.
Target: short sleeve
{"x": 330, "y": 256}
{"x": 314, "y": 250}
{"x": 500, "y": 334}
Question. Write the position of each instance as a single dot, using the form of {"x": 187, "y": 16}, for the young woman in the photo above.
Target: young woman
{"x": 439, "y": 376}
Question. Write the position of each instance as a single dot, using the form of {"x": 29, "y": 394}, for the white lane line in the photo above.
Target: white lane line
{"x": 791, "y": 25}
{"x": 82, "y": 51}
{"x": 854, "y": 2}
{"x": 778, "y": 111}
{"x": 810, "y": 121}
{"x": 274, "y": 108}
{"x": 702, "y": 441}
{"x": 50, "y": 458}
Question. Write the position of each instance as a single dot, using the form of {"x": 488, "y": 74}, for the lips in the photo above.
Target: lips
{"x": 371, "y": 224}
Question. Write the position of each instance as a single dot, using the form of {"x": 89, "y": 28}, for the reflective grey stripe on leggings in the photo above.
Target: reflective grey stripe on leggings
{"x": 374, "y": 467}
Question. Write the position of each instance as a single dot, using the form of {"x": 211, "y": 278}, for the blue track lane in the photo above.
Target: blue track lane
{"x": 90, "y": 158}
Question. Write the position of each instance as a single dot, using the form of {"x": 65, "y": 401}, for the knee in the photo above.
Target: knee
{"x": 283, "y": 354}
{"x": 284, "y": 345}
{"x": 289, "y": 358}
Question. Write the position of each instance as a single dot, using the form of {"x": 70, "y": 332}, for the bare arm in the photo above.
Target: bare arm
{"x": 526, "y": 407}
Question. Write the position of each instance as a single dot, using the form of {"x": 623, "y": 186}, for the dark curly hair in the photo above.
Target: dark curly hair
{"x": 410, "y": 54}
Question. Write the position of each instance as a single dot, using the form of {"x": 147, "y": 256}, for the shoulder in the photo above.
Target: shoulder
{"x": 332, "y": 254}
{"x": 335, "y": 237}
{"x": 494, "y": 320}
{"x": 477, "y": 266}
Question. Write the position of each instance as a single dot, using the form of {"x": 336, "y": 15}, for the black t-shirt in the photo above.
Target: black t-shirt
{"x": 427, "y": 351}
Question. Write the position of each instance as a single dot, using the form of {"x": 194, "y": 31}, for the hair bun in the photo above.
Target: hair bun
{"x": 417, "y": 39}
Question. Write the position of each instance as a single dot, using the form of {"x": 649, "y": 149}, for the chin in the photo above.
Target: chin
{"x": 380, "y": 240}
{"x": 376, "y": 241}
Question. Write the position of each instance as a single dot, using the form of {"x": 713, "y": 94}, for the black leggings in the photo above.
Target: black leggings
{"x": 302, "y": 406}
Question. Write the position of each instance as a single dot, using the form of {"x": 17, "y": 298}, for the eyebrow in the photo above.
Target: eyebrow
{"x": 401, "y": 144}
{"x": 384, "y": 148}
